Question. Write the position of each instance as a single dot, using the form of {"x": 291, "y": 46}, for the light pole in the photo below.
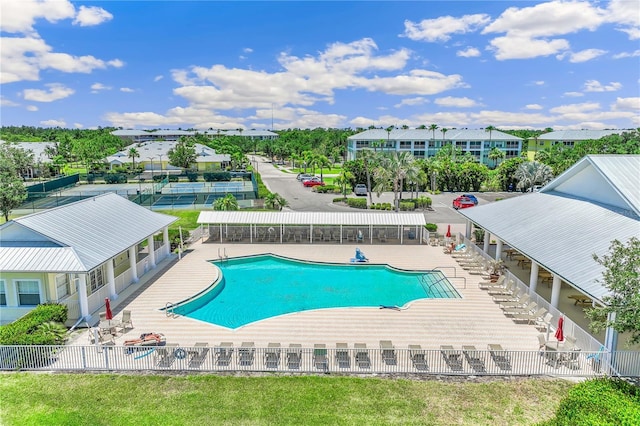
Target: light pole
{"x": 160, "y": 155}
{"x": 151, "y": 159}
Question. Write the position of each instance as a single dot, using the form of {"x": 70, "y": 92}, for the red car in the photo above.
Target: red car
{"x": 463, "y": 202}
{"x": 313, "y": 182}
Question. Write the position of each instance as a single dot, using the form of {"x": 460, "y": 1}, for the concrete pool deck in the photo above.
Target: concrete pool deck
{"x": 472, "y": 320}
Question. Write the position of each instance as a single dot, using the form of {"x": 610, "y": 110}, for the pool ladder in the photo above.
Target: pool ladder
{"x": 169, "y": 309}
{"x": 223, "y": 255}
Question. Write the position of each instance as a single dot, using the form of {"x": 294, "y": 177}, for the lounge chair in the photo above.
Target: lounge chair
{"x": 224, "y": 352}
{"x": 246, "y": 352}
{"x": 452, "y": 357}
{"x": 272, "y": 355}
{"x": 500, "y": 357}
{"x": 388, "y": 352}
{"x": 519, "y": 300}
{"x": 530, "y": 318}
{"x": 572, "y": 359}
{"x": 488, "y": 284}
{"x": 529, "y": 307}
{"x": 474, "y": 358}
{"x": 508, "y": 288}
{"x": 362, "y": 355}
{"x": 198, "y": 354}
{"x": 342, "y": 355}
{"x": 294, "y": 356}
{"x": 542, "y": 342}
{"x": 508, "y": 298}
{"x": 103, "y": 337}
{"x": 418, "y": 357}
{"x": 166, "y": 355}
{"x": 543, "y": 324}
{"x": 320, "y": 359}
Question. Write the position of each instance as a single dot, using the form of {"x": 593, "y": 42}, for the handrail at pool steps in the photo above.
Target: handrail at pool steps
{"x": 424, "y": 361}
{"x": 169, "y": 309}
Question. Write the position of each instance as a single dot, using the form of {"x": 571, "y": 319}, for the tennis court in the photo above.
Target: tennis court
{"x": 208, "y": 187}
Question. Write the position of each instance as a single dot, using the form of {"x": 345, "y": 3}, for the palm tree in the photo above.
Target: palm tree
{"x": 345, "y": 178}
{"x": 322, "y": 162}
{"x": 227, "y": 203}
{"x": 489, "y": 129}
{"x": 368, "y": 157}
{"x": 389, "y": 129}
{"x": 392, "y": 171}
{"x": 496, "y": 154}
{"x": 133, "y": 154}
{"x": 433, "y": 128}
{"x": 275, "y": 201}
{"x": 532, "y": 173}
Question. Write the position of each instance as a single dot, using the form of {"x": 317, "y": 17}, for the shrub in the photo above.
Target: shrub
{"x": 326, "y": 188}
{"x": 358, "y": 203}
{"x": 172, "y": 178}
{"x": 217, "y": 176}
{"x": 262, "y": 189}
{"x": 340, "y": 200}
{"x": 407, "y": 206}
{"x": 431, "y": 227}
{"x": 599, "y": 402}
{"x": 423, "y": 202}
{"x": 386, "y": 206}
{"x": 192, "y": 176}
{"x": 28, "y": 331}
{"x": 115, "y": 178}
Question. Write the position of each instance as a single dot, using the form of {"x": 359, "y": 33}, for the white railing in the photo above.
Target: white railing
{"x": 314, "y": 360}
{"x": 96, "y": 300}
{"x": 123, "y": 281}
{"x": 73, "y": 307}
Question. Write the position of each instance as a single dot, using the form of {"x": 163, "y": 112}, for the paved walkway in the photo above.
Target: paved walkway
{"x": 474, "y": 319}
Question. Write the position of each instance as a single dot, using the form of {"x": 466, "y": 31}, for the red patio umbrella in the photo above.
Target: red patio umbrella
{"x": 107, "y": 306}
{"x": 559, "y": 332}
{"x": 448, "y": 234}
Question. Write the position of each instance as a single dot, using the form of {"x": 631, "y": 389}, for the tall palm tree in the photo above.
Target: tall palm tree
{"x": 489, "y": 129}
{"x": 368, "y": 158}
{"x": 433, "y": 128}
{"x": 532, "y": 173}
{"x": 389, "y": 130}
{"x": 133, "y": 154}
{"x": 392, "y": 171}
{"x": 495, "y": 154}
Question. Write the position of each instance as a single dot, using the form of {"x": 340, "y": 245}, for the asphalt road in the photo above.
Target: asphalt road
{"x": 304, "y": 199}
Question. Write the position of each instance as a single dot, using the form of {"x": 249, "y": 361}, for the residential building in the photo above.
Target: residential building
{"x": 567, "y": 138}
{"x": 78, "y": 254}
{"x": 424, "y": 143}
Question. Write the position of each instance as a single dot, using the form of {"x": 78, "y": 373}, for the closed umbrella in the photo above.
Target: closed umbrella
{"x": 448, "y": 234}
{"x": 107, "y": 306}
{"x": 559, "y": 332}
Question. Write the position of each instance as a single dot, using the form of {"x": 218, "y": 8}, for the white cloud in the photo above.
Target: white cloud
{"x": 533, "y": 106}
{"x": 450, "y": 101}
{"x": 158, "y": 78}
{"x": 582, "y": 56}
{"x": 54, "y": 123}
{"x": 627, "y": 54}
{"x": 32, "y": 108}
{"x": 517, "y": 47}
{"x": 92, "y": 15}
{"x": 596, "y": 86}
{"x": 97, "y": 87}
{"x": 127, "y": 90}
{"x": 573, "y": 108}
{"x": 573, "y": 94}
{"x": 441, "y": 29}
{"x": 626, "y": 104}
{"x": 411, "y": 102}
{"x": 8, "y": 102}
{"x": 247, "y": 50}
{"x": 56, "y": 92}
{"x": 469, "y": 52}
{"x": 627, "y": 14}
{"x": 538, "y": 83}
{"x": 20, "y": 16}
{"x": 78, "y": 125}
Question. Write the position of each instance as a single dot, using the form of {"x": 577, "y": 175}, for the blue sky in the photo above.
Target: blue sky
{"x": 228, "y": 65}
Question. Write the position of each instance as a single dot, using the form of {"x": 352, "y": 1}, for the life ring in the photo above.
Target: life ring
{"x": 180, "y": 353}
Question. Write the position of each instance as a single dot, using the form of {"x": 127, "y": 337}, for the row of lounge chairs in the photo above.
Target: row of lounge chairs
{"x": 454, "y": 357}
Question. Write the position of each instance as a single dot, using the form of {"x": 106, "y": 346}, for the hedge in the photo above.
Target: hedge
{"x": 431, "y": 227}
{"x": 381, "y": 206}
{"x": 217, "y": 176}
{"x": 24, "y": 331}
{"x": 358, "y": 203}
{"x": 115, "y": 178}
{"x": 599, "y": 402}
{"x": 407, "y": 205}
{"x": 327, "y": 188}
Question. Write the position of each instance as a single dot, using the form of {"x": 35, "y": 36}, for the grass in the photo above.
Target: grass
{"x": 188, "y": 219}
{"x": 108, "y": 399}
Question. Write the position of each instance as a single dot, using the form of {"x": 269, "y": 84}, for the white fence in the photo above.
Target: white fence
{"x": 314, "y": 360}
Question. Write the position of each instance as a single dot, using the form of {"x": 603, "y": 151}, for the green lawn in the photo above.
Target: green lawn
{"x": 109, "y": 399}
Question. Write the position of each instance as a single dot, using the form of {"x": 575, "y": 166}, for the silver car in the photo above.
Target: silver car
{"x": 360, "y": 189}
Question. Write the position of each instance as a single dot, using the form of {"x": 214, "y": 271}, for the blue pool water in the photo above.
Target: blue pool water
{"x": 260, "y": 287}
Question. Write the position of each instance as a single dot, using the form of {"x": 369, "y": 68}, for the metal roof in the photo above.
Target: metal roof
{"x": 312, "y": 218}
{"x": 426, "y": 134}
{"x": 577, "y": 135}
{"x": 130, "y": 133}
{"x": 38, "y": 150}
{"x": 155, "y": 149}
{"x": 559, "y": 232}
{"x": 39, "y": 259}
{"x": 95, "y": 229}
{"x": 249, "y": 133}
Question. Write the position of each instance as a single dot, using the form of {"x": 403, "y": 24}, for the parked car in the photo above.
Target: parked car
{"x": 314, "y": 181}
{"x": 472, "y": 198}
{"x": 462, "y": 202}
{"x": 308, "y": 177}
{"x": 360, "y": 189}
{"x": 302, "y": 176}
{"x": 535, "y": 188}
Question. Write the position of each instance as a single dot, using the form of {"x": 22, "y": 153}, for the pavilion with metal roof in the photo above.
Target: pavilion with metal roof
{"x": 571, "y": 219}
{"x": 78, "y": 254}
{"x": 314, "y": 227}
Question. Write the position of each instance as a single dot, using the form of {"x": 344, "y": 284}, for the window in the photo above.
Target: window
{"x": 3, "y": 294}
{"x": 418, "y": 144}
{"x": 28, "y": 292}
{"x": 62, "y": 286}
{"x": 96, "y": 280}
{"x": 475, "y": 145}
{"x": 513, "y": 144}
{"x": 405, "y": 144}
{"x": 362, "y": 144}
{"x": 418, "y": 154}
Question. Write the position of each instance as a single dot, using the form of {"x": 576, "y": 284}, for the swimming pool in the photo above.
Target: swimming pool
{"x": 258, "y": 287}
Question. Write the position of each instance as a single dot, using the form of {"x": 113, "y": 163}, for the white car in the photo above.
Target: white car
{"x": 360, "y": 189}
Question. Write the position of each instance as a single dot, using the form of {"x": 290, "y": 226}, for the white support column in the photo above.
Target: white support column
{"x": 41, "y": 290}
{"x": 487, "y": 240}
{"x": 533, "y": 277}
{"x": 499, "y": 249}
{"x": 111, "y": 280}
{"x": 81, "y": 282}
{"x": 152, "y": 252}
{"x": 165, "y": 240}
{"x": 132, "y": 264}
{"x": 555, "y": 291}
{"x": 467, "y": 232}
